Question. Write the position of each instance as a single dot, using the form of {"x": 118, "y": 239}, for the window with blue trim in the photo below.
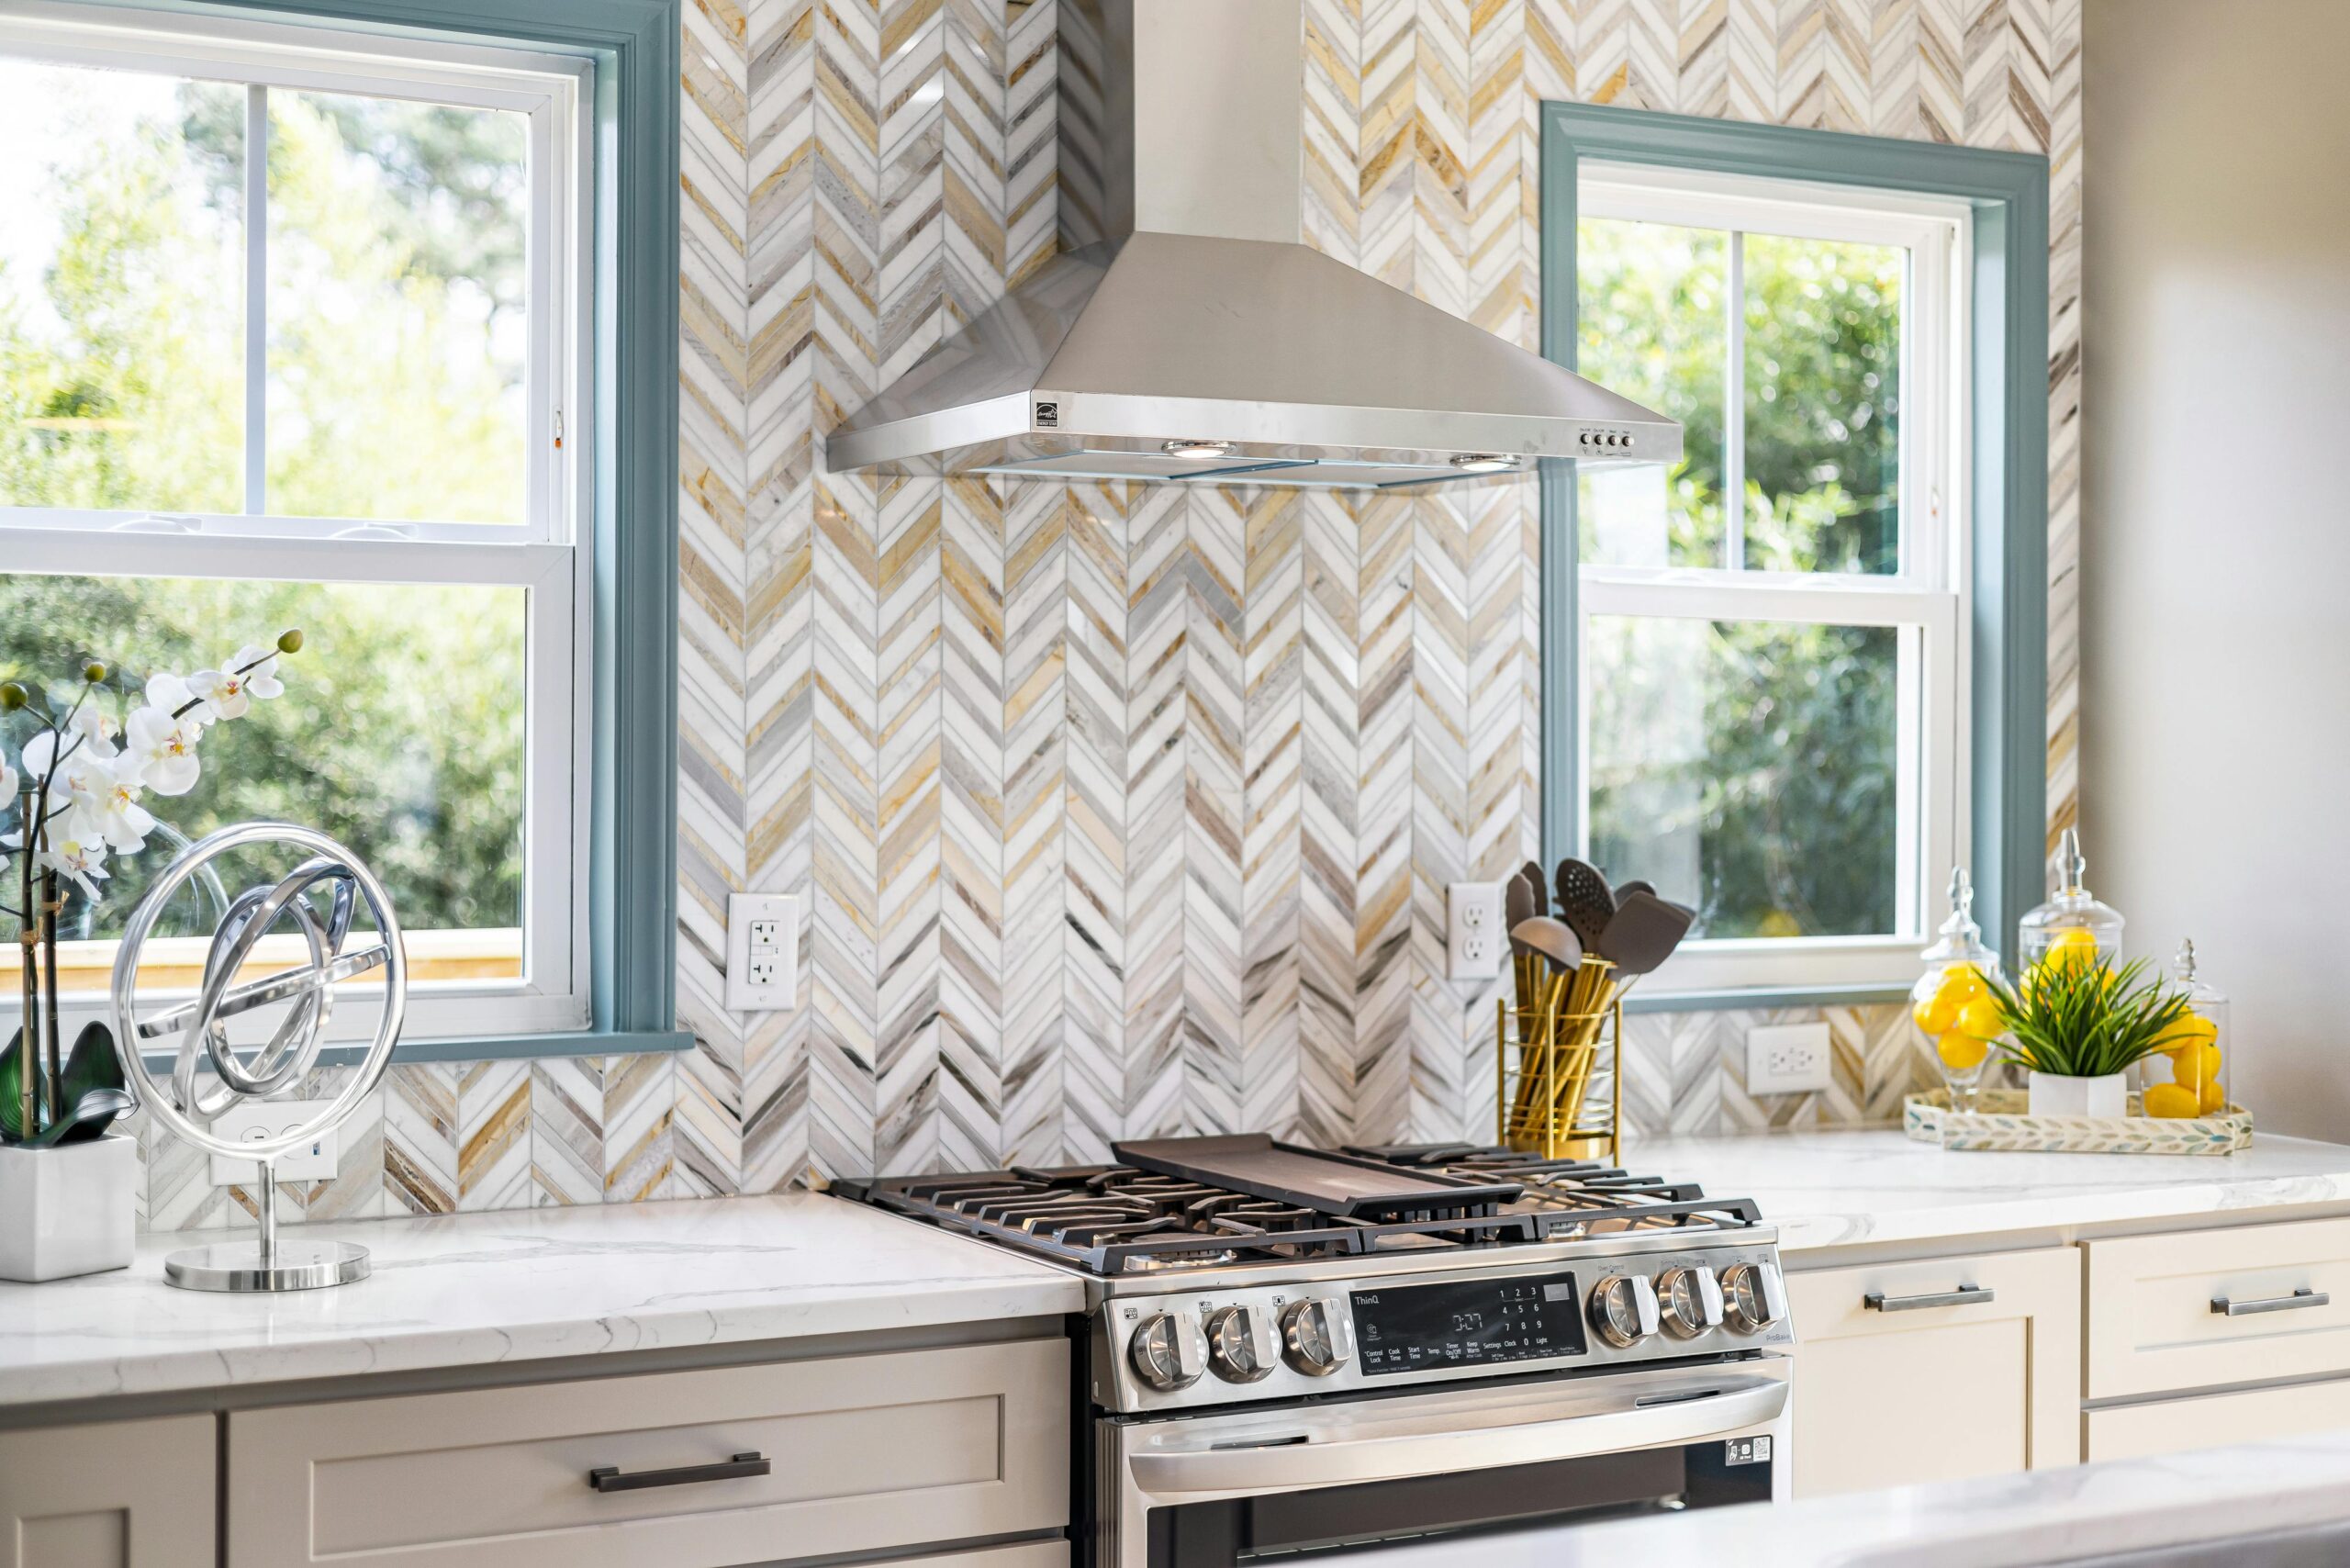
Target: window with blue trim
{"x": 1760, "y": 671}
{"x": 296, "y": 330}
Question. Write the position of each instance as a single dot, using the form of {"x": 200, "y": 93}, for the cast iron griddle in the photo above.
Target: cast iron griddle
{"x": 1341, "y": 1184}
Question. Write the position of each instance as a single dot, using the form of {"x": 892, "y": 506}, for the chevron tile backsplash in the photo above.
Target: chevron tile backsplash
{"x": 1122, "y": 810}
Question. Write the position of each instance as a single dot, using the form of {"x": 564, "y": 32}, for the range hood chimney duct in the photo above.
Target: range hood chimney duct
{"x": 1184, "y": 332}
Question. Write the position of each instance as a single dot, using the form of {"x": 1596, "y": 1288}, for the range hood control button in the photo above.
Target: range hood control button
{"x": 1317, "y": 1337}
{"x": 1689, "y": 1301}
{"x": 1241, "y": 1347}
{"x": 1623, "y": 1308}
{"x": 1753, "y": 1296}
{"x": 1168, "y": 1351}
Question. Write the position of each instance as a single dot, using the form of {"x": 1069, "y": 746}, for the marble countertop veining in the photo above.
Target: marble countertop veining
{"x": 2007, "y": 1521}
{"x": 518, "y": 1285}
{"x": 1840, "y": 1189}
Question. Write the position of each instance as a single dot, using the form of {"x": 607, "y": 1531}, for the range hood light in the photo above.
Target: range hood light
{"x": 1483, "y": 461}
{"x": 1196, "y": 448}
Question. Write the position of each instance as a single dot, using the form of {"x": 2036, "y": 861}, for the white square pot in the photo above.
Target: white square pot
{"x": 2054, "y": 1094}
{"x": 67, "y": 1211}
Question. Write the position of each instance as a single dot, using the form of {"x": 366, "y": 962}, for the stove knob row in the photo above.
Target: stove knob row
{"x": 1623, "y": 1308}
{"x": 1241, "y": 1345}
{"x": 1168, "y": 1351}
{"x": 1753, "y": 1296}
{"x": 1317, "y": 1337}
{"x": 1689, "y": 1301}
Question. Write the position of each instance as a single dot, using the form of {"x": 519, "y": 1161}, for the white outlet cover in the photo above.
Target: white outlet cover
{"x": 256, "y": 1119}
{"x": 1474, "y": 942}
{"x": 1788, "y": 1058}
{"x": 762, "y": 952}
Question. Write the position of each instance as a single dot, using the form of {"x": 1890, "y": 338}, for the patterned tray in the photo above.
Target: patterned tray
{"x": 2000, "y": 1121}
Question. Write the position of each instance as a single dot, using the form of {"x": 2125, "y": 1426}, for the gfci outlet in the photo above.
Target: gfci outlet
{"x": 254, "y": 1120}
{"x": 1786, "y": 1058}
{"x": 1473, "y": 938}
{"x": 762, "y": 952}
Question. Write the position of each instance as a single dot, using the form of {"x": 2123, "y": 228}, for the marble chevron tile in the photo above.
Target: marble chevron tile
{"x": 1118, "y": 810}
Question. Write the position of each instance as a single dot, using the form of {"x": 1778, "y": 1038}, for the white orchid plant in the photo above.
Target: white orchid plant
{"x": 76, "y": 794}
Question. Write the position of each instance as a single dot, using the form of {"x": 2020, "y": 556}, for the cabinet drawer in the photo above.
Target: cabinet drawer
{"x": 1983, "y": 1385}
{"x": 2151, "y": 1327}
{"x": 867, "y": 1455}
{"x": 110, "y": 1494}
{"x": 2212, "y": 1420}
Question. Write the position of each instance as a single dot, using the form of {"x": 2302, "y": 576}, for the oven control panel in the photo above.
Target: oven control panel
{"x": 1216, "y": 1344}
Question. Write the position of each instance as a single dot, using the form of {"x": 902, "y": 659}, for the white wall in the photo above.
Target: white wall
{"x": 2216, "y": 697}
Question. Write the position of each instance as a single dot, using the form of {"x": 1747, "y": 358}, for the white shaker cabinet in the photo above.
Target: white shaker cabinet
{"x": 1935, "y": 1370}
{"x": 109, "y": 1494}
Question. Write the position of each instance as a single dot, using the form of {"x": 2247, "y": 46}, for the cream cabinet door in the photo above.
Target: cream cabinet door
{"x": 110, "y": 1494}
{"x": 1931, "y": 1372}
{"x": 2213, "y": 1420}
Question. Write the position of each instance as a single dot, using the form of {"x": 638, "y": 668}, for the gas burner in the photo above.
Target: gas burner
{"x": 1109, "y": 1220}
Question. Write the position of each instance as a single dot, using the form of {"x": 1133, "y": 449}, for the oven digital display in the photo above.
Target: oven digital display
{"x": 1468, "y": 1323}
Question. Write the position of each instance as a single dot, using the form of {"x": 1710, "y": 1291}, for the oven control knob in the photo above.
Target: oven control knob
{"x": 1623, "y": 1308}
{"x": 1317, "y": 1336}
{"x": 1168, "y": 1351}
{"x": 1753, "y": 1296}
{"x": 1241, "y": 1347}
{"x": 1688, "y": 1301}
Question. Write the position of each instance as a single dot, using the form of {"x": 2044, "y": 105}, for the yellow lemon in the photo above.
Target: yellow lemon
{"x": 2073, "y": 948}
{"x": 2215, "y": 1099}
{"x": 1936, "y": 1017}
{"x": 2170, "y": 1099}
{"x": 1963, "y": 1053}
{"x": 1962, "y": 983}
{"x": 2195, "y": 1065}
{"x": 2192, "y": 1030}
{"x": 1981, "y": 1019}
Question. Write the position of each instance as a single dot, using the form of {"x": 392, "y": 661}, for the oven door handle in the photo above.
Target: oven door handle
{"x": 1656, "y": 1419}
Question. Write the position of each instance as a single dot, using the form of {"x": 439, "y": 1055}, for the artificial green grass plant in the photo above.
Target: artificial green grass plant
{"x": 2087, "y": 1020}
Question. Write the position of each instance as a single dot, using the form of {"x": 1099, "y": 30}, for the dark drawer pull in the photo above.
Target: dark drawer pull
{"x": 605, "y": 1478}
{"x": 1966, "y": 1296}
{"x": 2302, "y": 1297}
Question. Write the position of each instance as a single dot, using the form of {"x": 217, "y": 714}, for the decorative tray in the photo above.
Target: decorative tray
{"x": 2001, "y": 1121}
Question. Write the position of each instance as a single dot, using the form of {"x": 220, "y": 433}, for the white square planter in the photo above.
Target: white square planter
{"x": 2054, "y": 1094}
{"x": 67, "y": 1211}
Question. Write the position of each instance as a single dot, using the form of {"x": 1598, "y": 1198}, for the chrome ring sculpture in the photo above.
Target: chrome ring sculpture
{"x": 333, "y": 876}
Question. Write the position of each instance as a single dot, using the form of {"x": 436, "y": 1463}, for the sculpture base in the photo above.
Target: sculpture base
{"x": 293, "y": 1265}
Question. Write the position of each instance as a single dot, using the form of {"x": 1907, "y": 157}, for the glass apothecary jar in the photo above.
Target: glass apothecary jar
{"x": 1951, "y": 1003}
{"x": 2191, "y": 1078}
{"x": 2073, "y": 927}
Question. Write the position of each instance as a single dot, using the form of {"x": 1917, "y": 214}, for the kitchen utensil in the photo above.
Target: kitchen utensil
{"x": 1637, "y": 885}
{"x": 1532, "y": 872}
{"x": 1518, "y": 905}
{"x": 1584, "y": 902}
{"x": 1643, "y": 934}
{"x": 1552, "y": 939}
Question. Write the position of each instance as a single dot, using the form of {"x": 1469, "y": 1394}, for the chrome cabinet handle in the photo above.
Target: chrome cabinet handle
{"x": 1966, "y": 1296}
{"x": 2299, "y": 1299}
{"x": 606, "y": 1478}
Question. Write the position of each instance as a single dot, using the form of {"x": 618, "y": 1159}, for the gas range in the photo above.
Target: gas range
{"x": 1227, "y": 1271}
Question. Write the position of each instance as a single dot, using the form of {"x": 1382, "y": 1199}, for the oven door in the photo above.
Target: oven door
{"x": 1212, "y": 1491}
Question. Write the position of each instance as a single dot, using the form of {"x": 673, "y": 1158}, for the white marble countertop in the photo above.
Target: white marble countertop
{"x": 2007, "y": 1521}
{"x": 520, "y": 1286}
{"x": 1842, "y": 1189}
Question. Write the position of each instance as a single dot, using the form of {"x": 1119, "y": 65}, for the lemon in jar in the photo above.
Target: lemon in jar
{"x": 2196, "y": 1065}
{"x": 1960, "y": 983}
{"x": 2074, "y": 947}
{"x": 1981, "y": 1019}
{"x": 1935, "y": 1014}
{"x": 2171, "y": 1100}
{"x": 1962, "y": 1053}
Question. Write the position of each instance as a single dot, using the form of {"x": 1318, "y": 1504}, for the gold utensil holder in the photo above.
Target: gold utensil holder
{"x": 1559, "y": 1089}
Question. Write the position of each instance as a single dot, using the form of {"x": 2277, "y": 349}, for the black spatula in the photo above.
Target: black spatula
{"x": 1643, "y": 934}
{"x": 1584, "y": 903}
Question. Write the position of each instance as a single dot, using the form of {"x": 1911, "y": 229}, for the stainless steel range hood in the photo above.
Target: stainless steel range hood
{"x": 1185, "y": 333}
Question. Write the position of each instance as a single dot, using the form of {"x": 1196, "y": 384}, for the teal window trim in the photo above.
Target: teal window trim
{"x": 2008, "y": 293}
{"x": 632, "y": 880}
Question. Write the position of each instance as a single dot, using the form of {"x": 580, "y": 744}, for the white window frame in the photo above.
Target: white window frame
{"x": 549, "y": 555}
{"x": 1928, "y": 599}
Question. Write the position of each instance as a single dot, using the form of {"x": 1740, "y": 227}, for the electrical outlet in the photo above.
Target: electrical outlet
{"x": 1473, "y": 940}
{"x": 254, "y": 1120}
{"x": 1787, "y": 1059}
{"x": 762, "y": 952}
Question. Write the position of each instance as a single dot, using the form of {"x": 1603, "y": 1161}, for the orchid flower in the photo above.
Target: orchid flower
{"x": 228, "y": 692}
{"x": 99, "y": 729}
{"x": 164, "y": 749}
{"x": 168, "y": 694}
{"x": 78, "y": 858}
{"x": 114, "y": 813}
{"x": 72, "y": 773}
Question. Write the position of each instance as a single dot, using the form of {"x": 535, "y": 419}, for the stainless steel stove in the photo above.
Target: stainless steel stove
{"x": 1286, "y": 1349}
